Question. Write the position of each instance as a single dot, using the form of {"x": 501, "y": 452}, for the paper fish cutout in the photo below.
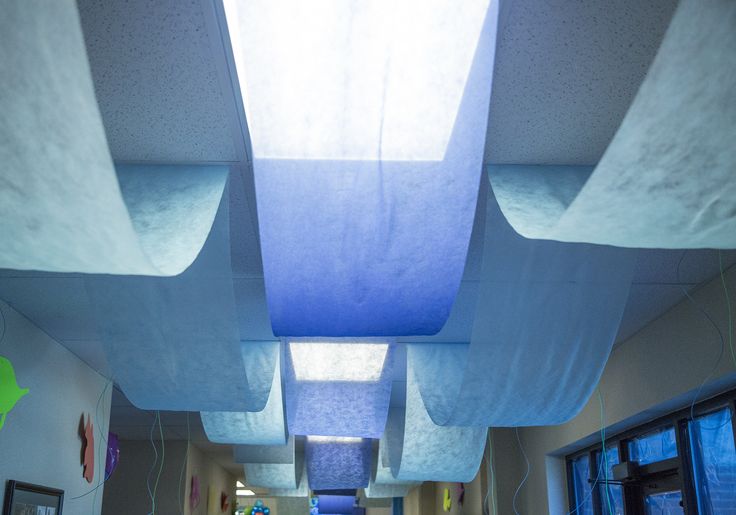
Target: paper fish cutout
{"x": 89, "y": 450}
{"x": 447, "y": 501}
{"x": 224, "y": 504}
{"x": 194, "y": 496}
{"x": 10, "y": 393}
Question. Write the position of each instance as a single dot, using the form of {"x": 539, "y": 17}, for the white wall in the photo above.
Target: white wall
{"x": 40, "y": 442}
{"x": 653, "y": 373}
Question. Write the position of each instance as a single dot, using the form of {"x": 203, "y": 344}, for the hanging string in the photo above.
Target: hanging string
{"x": 491, "y": 479}
{"x": 183, "y": 467}
{"x": 721, "y": 350}
{"x": 5, "y": 325}
{"x": 526, "y": 475}
{"x": 600, "y": 465}
{"x": 604, "y": 454}
{"x": 155, "y": 461}
{"x": 163, "y": 459}
{"x": 728, "y": 307}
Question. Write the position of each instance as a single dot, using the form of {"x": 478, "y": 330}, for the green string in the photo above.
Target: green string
{"x": 728, "y": 305}
{"x": 603, "y": 451}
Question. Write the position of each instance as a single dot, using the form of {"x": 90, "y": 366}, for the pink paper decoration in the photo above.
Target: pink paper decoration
{"x": 89, "y": 450}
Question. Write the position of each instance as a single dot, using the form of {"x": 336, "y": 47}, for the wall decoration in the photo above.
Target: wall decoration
{"x": 88, "y": 450}
{"x": 29, "y": 499}
{"x": 194, "y": 493}
{"x": 446, "y": 500}
{"x": 113, "y": 454}
{"x": 10, "y": 392}
{"x": 460, "y": 493}
{"x": 224, "y": 502}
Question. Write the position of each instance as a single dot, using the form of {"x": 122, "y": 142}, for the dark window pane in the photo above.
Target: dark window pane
{"x": 612, "y": 496}
{"x": 714, "y": 463}
{"x": 581, "y": 485}
{"x": 655, "y": 446}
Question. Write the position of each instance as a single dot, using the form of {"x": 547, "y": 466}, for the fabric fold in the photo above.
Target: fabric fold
{"x": 546, "y": 319}
{"x": 420, "y": 450}
{"x": 338, "y": 407}
{"x": 167, "y": 338}
{"x": 62, "y": 206}
{"x": 666, "y": 179}
{"x": 265, "y": 427}
{"x": 341, "y": 237}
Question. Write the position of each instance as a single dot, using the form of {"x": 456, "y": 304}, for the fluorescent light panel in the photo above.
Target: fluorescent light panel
{"x": 317, "y": 361}
{"x": 350, "y": 79}
{"x": 244, "y": 493}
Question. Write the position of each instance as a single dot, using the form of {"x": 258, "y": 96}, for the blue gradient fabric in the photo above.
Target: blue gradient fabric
{"x": 546, "y": 319}
{"x": 338, "y": 408}
{"x": 341, "y": 239}
{"x": 333, "y": 464}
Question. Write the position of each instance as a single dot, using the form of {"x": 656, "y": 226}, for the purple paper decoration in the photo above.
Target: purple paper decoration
{"x": 194, "y": 495}
{"x": 336, "y": 463}
{"x": 113, "y": 454}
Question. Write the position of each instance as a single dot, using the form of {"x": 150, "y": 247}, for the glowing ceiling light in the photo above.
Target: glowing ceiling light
{"x": 345, "y": 79}
{"x": 317, "y": 361}
{"x": 334, "y": 439}
{"x": 239, "y": 484}
{"x": 244, "y": 493}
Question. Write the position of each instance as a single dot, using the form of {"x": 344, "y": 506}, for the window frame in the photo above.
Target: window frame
{"x": 678, "y": 420}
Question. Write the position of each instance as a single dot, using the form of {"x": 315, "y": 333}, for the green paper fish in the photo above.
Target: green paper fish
{"x": 10, "y": 393}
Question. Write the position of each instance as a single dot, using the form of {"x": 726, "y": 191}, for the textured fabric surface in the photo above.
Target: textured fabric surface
{"x": 265, "y": 427}
{"x": 334, "y": 464}
{"x": 338, "y": 408}
{"x": 420, "y": 450}
{"x": 348, "y": 246}
{"x": 546, "y": 318}
{"x": 666, "y": 179}
{"x": 61, "y": 204}
{"x": 172, "y": 343}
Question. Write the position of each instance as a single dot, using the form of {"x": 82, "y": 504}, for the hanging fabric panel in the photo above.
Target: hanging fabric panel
{"x": 666, "y": 180}
{"x": 62, "y": 208}
{"x": 352, "y": 186}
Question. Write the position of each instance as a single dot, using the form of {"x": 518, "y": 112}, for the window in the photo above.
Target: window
{"x": 682, "y": 463}
{"x": 714, "y": 462}
{"x": 582, "y": 486}
{"x": 610, "y": 493}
